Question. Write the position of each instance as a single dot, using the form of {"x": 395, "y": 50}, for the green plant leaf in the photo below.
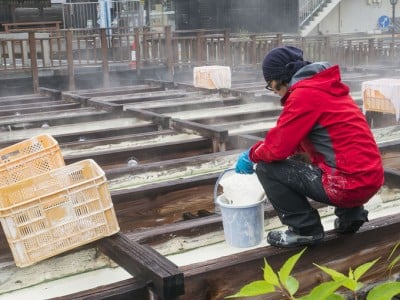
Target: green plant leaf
{"x": 255, "y": 288}
{"x": 347, "y": 282}
{"x": 351, "y": 284}
{"x": 292, "y": 285}
{"x": 393, "y": 263}
{"x": 393, "y": 251}
{"x": 288, "y": 266}
{"x": 360, "y": 270}
{"x": 269, "y": 275}
{"x": 359, "y": 286}
{"x": 322, "y": 291}
{"x": 384, "y": 291}
{"x": 336, "y": 276}
{"x": 335, "y": 297}
{"x": 351, "y": 274}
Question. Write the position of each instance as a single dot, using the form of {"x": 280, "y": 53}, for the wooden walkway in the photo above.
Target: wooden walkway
{"x": 165, "y": 204}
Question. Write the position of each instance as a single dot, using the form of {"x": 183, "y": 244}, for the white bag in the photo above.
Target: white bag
{"x": 242, "y": 189}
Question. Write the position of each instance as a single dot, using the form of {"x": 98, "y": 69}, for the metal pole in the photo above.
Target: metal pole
{"x": 393, "y": 2}
{"x": 393, "y": 27}
{"x": 149, "y": 12}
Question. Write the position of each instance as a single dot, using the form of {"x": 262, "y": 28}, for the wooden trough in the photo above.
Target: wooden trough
{"x": 165, "y": 204}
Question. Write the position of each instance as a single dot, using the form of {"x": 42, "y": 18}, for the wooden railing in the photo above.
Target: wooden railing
{"x": 29, "y": 26}
{"x": 175, "y": 50}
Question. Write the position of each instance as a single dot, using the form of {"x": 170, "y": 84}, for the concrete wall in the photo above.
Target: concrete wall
{"x": 351, "y": 16}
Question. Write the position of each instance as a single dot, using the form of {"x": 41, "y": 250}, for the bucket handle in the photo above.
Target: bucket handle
{"x": 218, "y": 180}
{"x": 217, "y": 183}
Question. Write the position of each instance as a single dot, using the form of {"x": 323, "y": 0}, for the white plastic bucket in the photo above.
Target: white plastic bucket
{"x": 243, "y": 223}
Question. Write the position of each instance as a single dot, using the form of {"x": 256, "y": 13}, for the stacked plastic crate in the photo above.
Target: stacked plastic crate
{"x": 46, "y": 207}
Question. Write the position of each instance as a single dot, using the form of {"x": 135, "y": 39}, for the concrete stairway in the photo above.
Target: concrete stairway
{"x": 313, "y": 12}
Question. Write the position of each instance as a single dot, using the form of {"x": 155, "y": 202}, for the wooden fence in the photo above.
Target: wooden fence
{"x": 176, "y": 50}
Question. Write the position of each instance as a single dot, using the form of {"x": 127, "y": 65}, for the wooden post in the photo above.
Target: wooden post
{"x": 253, "y": 50}
{"x": 200, "y": 35}
{"x": 341, "y": 52}
{"x": 104, "y": 58}
{"x": 146, "y": 33}
{"x": 169, "y": 51}
{"x": 227, "y": 45}
{"x": 327, "y": 49}
{"x": 349, "y": 55}
{"x": 70, "y": 61}
{"x": 371, "y": 51}
{"x": 34, "y": 65}
{"x": 279, "y": 40}
{"x": 138, "y": 48}
{"x": 303, "y": 44}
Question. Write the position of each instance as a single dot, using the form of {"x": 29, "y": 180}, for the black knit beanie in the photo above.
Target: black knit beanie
{"x": 282, "y": 63}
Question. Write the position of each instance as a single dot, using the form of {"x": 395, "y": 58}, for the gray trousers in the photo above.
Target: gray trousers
{"x": 288, "y": 184}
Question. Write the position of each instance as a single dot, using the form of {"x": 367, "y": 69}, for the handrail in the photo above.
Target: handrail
{"x": 308, "y": 8}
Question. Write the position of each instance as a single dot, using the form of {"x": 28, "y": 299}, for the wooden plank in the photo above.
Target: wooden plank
{"x": 262, "y": 113}
{"x": 26, "y": 26}
{"x": 64, "y": 117}
{"x": 52, "y": 108}
{"x": 163, "y": 203}
{"x": 215, "y": 279}
{"x": 123, "y": 290}
{"x": 115, "y": 91}
{"x": 209, "y": 131}
{"x": 23, "y": 99}
{"x": 18, "y": 107}
{"x": 146, "y": 264}
{"x": 101, "y": 133}
{"x": 200, "y": 104}
{"x": 161, "y": 120}
{"x": 141, "y": 97}
{"x": 163, "y": 151}
{"x": 142, "y": 136}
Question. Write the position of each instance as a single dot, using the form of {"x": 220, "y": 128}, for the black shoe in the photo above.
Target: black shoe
{"x": 289, "y": 239}
{"x": 348, "y": 227}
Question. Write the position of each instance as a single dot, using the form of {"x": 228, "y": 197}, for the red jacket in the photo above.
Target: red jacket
{"x": 319, "y": 117}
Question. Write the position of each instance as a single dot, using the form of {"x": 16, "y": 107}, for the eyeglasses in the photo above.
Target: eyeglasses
{"x": 269, "y": 86}
{"x": 277, "y": 87}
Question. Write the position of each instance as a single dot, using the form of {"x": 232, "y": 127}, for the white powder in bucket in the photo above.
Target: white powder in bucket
{"x": 241, "y": 189}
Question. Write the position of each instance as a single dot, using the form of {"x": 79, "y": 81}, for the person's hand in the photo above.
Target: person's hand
{"x": 244, "y": 165}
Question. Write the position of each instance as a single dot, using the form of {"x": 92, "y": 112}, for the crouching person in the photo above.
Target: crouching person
{"x": 319, "y": 120}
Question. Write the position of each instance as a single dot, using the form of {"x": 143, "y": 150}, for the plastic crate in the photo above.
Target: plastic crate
{"x": 57, "y": 211}
{"x": 212, "y": 77}
{"x": 29, "y": 158}
{"x": 373, "y": 100}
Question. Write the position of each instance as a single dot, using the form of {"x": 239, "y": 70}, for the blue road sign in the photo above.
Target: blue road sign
{"x": 383, "y": 21}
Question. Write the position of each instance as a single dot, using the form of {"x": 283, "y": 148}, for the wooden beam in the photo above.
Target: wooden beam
{"x": 217, "y": 278}
{"x": 122, "y": 290}
{"x": 48, "y": 108}
{"x": 146, "y": 264}
{"x": 146, "y": 153}
{"x": 161, "y": 120}
{"x": 164, "y": 203}
{"x": 218, "y": 136}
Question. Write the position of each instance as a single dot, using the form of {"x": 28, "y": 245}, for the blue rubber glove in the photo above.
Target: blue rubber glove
{"x": 244, "y": 165}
